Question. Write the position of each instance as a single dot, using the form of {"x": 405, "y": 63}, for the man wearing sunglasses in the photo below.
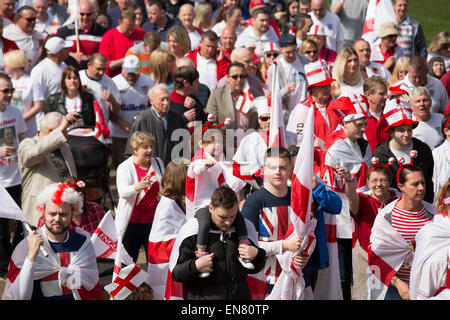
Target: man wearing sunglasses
{"x": 230, "y": 101}
{"x": 23, "y": 34}
{"x": 385, "y": 51}
{"x": 89, "y": 34}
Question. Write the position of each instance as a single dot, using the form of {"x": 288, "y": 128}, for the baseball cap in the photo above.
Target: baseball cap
{"x": 287, "y": 40}
{"x": 56, "y": 44}
{"x": 256, "y": 3}
{"x": 131, "y": 64}
{"x": 387, "y": 29}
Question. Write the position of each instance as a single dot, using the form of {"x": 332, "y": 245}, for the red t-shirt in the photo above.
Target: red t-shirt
{"x": 144, "y": 211}
{"x": 115, "y": 45}
{"x": 368, "y": 210}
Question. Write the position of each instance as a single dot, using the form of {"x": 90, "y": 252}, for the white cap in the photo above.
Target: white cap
{"x": 271, "y": 46}
{"x": 131, "y": 64}
{"x": 317, "y": 30}
{"x": 261, "y": 105}
{"x": 56, "y": 44}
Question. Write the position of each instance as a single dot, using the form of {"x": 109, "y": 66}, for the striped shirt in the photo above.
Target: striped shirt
{"x": 405, "y": 36}
{"x": 408, "y": 223}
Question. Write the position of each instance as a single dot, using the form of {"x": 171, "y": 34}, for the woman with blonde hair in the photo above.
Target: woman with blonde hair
{"x": 309, "y": 48}
{"x": 203, "y": 16}
{"x": 347, "y": 73}
{"x": 138, "y": 180}
{"x": 162, "y": 63}
{"x": 28, "y": 95}
{"x": 400, "y": 70}
{"x": 440, "y": 46}
{"x": 178, "y": 41}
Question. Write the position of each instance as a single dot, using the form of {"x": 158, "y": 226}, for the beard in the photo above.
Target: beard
{"x": 54, "y": 231}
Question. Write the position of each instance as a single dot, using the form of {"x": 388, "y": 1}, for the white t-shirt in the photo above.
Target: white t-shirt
{"x": 348, "y": 90}
{"x": 376, "y": 69}
{"x": 11, "y": 118}
{"x": 195, "y": 37}
{"x": 134, "y": 100}
{"x": 73, "y": 104}
{"x": 27, "y": 91}
{"x": 333, "y": 28}
{"x": 405, "y": 154}
{"x": 207, "y": 68}
{"x": 218, "y": 28}
{"x": 96, "y": 87}
{"x": 430, "y": 131}
{"x": 48, "y": 27}
{"x": 48, "y": 75}
{"x": 248, "y": 39}
{"x": 294, "y": 72}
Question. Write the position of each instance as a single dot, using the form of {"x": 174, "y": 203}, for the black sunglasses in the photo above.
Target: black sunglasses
{"x": 30, "y": 19}
{"x": 88, "y": 14}
{"x": 8, "y": 90}
{"x": 270, "y": 55}
{"x": 264, "y": 118}
{"x": 240, "y": 76}
{"x": 311, "y": 52}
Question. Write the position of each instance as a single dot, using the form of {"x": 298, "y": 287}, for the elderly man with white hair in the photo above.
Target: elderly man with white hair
{"x": 45, "y": 159}
{"x": 69, "y": 272}
{"x": 429, "y": 128}
{"x": 46, "y": 23}
{"x": 160, "y": 121}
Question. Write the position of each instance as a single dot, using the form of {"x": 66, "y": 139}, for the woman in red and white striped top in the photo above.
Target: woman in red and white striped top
{"x": 409, "y": 215}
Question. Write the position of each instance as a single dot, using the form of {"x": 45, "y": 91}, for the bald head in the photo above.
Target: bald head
{"x": 318, "y": 7}
{"x": 242, "y": 55}
{"x": 185, "y": 62}
{"x": 228, "y": 38}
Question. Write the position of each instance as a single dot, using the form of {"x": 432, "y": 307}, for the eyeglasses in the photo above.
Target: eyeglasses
{"x": 264, "y": 118}
{"x": 87, "y": 14}
{"x": 8, "y": 90}
{"x": 384, "y": 181}
{"x": 240, "y": 76}
{"x": 270, "y": 55}
{"x": 30, "y": 20}
{"x": 311, "y": 52}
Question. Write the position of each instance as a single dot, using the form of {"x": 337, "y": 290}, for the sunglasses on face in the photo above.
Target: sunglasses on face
{"x": 311, "y": 52}
{"x": 30, "y": 19}
{"x": 264, "y": 118}
{"x": 240, "y": 76}
{"x": 8, "y": 90}
{"x": 87, "y": 14}
{"x": 270, "y": 55}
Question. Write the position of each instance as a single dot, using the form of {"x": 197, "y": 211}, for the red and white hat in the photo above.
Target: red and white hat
{"x": 316, "y": 30}
{"x": 318, "y": 74}
{"x": 270, "y": 46}
{"x": 350, "y": 108}
{"x": 398, "y": 112}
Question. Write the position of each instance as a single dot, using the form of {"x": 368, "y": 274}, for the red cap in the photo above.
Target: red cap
{"x": 256, "y": 3}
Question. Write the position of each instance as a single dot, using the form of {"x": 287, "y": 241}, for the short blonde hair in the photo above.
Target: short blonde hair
{"x": 16, "y": 59}
{"x": 181, "y": 36}
{"x": 159, "y": 64}
{"x": 138, "y": 138}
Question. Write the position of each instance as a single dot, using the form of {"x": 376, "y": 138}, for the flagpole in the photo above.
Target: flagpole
{"x": 41, "y": 247}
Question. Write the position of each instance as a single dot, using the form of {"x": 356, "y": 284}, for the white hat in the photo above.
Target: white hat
{"x": 398, "y": 112}
{"x": 131, "y": 64}
{"x": 318, "y": 74}
{"x": 262, "y": 106}
{"x": 317, "y": 30}
{"x": 271, "y": 46}
{"x": 56, "y": 44}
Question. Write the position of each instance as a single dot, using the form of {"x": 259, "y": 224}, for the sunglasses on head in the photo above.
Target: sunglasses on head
{"x": 8, "y": 90}
{"x": 264, "y": 118}
{"x": 270, "y": 55}
{"x": 240, "y": 76}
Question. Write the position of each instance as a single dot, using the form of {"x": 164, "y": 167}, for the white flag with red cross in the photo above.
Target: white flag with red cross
{"x": 290, "y": 284}
{"x": 104, "y": 240}
{"x": 128, "y": 279}
{"x": 378, "y": 12}
{"x": 276, "y": 133}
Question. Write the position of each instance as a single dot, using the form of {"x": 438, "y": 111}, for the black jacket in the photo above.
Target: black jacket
{"x": 228, "y": 281}
{"x": 56, "y": 102}
{"x": 424, "y": 161}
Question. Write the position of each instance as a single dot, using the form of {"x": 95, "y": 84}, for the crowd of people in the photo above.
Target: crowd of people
{"x": 159, "y": 86}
